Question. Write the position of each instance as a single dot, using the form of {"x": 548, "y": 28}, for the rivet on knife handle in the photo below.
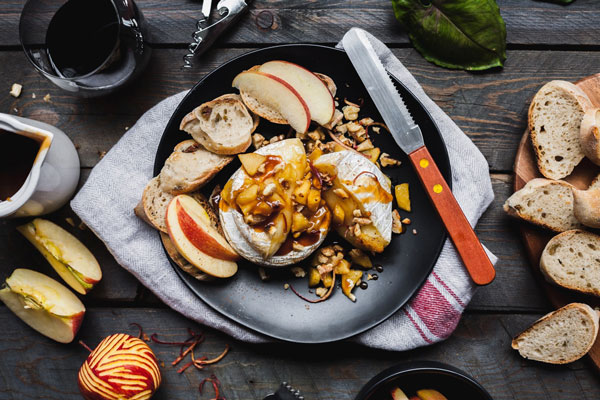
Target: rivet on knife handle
{"x": 466, "y": 242}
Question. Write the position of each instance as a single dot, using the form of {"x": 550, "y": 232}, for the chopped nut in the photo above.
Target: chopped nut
{"x": 261, "y": 168}
{"x": 350, "y": 112}
{"x": 269, "y": 189}
{"x": 322, "y": 259}
{"x": 376, "y": 129}
{"x": 301, "y": 135}
{"x": 356, "y": 230}
{"x": 369, "y": 277}
{"x": 33, "y": 95}
{"x": 366, "y": 145}
{"x": 262, "y": 273}
{"x": 101, "y": 154}
{"x": 387, "y": 161}
{"x": 357, "y": 131}
{"x": 298, "y": 272}
{"x": 414, "y": 231}
{"x": 286, "y": 286}
{"x": 406, "y": 221}
{"x": 324, "y": 268}
{"x": 253, "y": 219}
{"x": 15, "y": 90}
{"x": 70, "y": 221}
{"x": 396, "y": 223}
{"x": 366, "y": 121}
{"x": 341, "y": 128}
{"x": 258, "y": 140}
{"x": 337, "y": 247}
{"x": 361, "y": 221}
{"x": 357, "y": 213}
{"x": 327, "y": 251}
{"x": 341, "y": 193}
{"x": 321, "y": 291}
{"x": 47, "y": 98}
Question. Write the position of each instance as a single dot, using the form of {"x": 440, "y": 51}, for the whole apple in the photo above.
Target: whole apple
{"x": 121, "y": 367}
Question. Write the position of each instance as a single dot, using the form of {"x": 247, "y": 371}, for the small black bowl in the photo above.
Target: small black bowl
{"x": 410, "y": 377}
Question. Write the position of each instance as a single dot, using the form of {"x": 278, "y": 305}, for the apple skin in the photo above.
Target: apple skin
{"x": 200, "y": 236}
{"x": 398, "y": 394}
{"x": 296, "y": 112}
{"x": 121, "y": 367}
{"x": 313, "y": 90}
{"x": 43, "y": 294}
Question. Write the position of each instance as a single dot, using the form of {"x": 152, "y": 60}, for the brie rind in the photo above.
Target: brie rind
{"x": 246, "y": 241}
{"x": 350, "y": 170}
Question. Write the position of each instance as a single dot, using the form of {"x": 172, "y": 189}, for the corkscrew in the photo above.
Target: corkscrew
{"x": 205, "y": 36}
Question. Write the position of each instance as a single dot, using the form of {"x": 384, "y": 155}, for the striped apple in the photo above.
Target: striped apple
{"x": 122, "y": 367}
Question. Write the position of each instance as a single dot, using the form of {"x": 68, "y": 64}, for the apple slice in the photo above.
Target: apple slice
{"x": 75, "y": 264}
{"x": 251, "y": 162}
{"x": 276, "y": 93}
{"x": 43, "y": 304}
{"x": 312, "y": 89}
{"x": 197, "y": 241}
{"x": 430, "y": 394}
{"x": 398, "y": 394}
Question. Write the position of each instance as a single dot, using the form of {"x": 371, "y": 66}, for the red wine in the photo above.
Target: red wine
{"x": 81, "y": 36}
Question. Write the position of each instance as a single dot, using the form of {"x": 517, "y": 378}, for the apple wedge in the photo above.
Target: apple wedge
{"x": 398, "y": 394}
{"x": 430, "y": 394}
{"x": 43, "y": 304}
{"x": 312, "y": 89}
{"x": 191, "y": 231}
{"x": 276, "y": 93}
{"x": 75, "y": 264}
{"x": 251, "y": 162}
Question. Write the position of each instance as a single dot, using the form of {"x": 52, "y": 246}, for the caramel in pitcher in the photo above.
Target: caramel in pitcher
{"x": 17, "y": 155}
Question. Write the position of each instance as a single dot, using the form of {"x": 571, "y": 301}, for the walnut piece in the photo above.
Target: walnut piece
{"x": 15, "y": 90}
{"x": 350, "y": 112}
{"x": 387, "y": 161}
{"x": 258, "y": 140}
{"x": 396, "y": 223}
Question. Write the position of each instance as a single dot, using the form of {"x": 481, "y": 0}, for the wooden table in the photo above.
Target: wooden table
{"x": 545, "y": 41}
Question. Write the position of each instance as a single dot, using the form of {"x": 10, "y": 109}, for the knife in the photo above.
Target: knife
{"x": 206, "y": 5}
{"x": 408, "y": 136}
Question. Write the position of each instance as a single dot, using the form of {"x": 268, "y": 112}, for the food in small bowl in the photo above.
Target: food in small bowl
{"x": 422, "y": 380}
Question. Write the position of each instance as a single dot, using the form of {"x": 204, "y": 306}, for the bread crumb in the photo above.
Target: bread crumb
{"x": 48, "y": 98}
{"x": 15, "y": 90}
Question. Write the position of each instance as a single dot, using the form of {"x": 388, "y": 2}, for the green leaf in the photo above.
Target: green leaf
{"x": 460, "y": 34}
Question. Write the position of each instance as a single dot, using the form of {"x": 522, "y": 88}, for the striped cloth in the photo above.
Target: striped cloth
{"x": 112, "y": 191}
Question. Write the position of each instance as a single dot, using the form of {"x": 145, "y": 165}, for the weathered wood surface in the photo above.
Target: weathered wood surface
{"x": 34, "y": 367}
{"x": 491, "y": 108}
{"x": 323, "y": 21}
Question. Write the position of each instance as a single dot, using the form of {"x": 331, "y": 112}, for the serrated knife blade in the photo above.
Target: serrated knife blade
{"x": 408, "y": 135}
{"x": 382, "y": 90}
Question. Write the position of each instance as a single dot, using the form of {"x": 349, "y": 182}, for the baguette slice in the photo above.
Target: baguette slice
{"x": 586, "y": 206}
{"x": 272, "y": 115}
{"x": 560, "y": 337}
{"x": 223, "y": 125}
{"x": 152, "y": 209}
{"x": 555, "y": 117}
{"x": 590, "y": 135}
{"x": 546, "y": 203}
{"x": 189, "y": 167}
{"x": 595, "y": 183}
{"x": 572, "y": 260}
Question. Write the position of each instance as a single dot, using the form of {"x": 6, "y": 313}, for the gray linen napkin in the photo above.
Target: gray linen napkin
{"x": 106, "y": 201}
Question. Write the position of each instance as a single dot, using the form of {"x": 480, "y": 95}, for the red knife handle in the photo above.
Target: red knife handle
{"x": 467, "y": 244}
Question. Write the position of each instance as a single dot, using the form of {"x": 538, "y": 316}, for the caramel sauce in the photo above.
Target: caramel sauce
{"x": 373, "y": 190}
{"x": 319, "y": 222}
{"x": 17, "y": 156}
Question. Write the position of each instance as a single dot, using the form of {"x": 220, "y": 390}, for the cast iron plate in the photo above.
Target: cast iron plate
{"x": 265, "y": 306}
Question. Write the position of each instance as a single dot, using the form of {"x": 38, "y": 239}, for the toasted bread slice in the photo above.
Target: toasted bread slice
{"x": 272, "y": 115}
{"x": 182, "y": 262}
{"x": 560, "y": 337}
{"x": 590, "y": 135}
{"x": 189, "y": 167}
{"x": 555, "y": 118}
{"x": 223, "y": 125}
{"x": 546, "y": 203}
{"x": 572, "y": 260}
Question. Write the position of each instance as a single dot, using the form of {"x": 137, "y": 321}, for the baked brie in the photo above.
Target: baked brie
{"x": 271, "y": 210}
{"x": 359, "y": 198}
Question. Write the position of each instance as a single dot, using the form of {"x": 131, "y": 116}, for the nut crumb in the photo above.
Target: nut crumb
{"x": 414, "y": 231}
{"x": 15, "y": 90}
{"x": 321, "y": 291}
{"x": 101, "y": 154}
{"x": 369, "y": 277}
{"x": 396, "y": 223}
{"x": 350, "y": 112}
{"x": 48, "y": 98}
{"x": 286, "y": 286}
{"x": 387, "y": 161}
{"x": 406, "y": 221}
{"x": 33, "y": 96}
{"x": 376, "y": 129}
{"x": 298, "y": 272}
{"x": 258, "y": 140}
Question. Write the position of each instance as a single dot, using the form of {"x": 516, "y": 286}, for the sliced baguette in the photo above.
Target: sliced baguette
{"x": 555, "y": 117}
{"x": 272, "y": 115}
{"x": 182, "y": 262}
{"x": 586, "y": 206}
{"x": 572, "y": 260}
{"x": 546, "y": 203}
{"x": 223, "y": 125}
{"x": 560, "y": 337}
{"x": 595, "y": 183}
{"x": 590, "y": 135}
{"x": 189, "y": 167}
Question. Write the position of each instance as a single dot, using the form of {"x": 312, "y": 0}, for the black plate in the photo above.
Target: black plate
{"x": 265, "y": 306}
{"x": 412, "y": 376}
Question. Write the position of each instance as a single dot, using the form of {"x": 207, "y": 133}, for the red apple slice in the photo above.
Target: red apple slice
{"x": 312, "y": 89}
{"x": 277, "y": 94}
{"x": 43, "y": 304}
{"x": 197, "y": 227}
{"x": 75, "y": 264}
{"x": 196, "y": 256}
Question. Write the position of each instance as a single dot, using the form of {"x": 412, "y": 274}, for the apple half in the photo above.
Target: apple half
{"x": 277, "y": 94}
{"x": 191, "y": 231}
{"x": 308, "y": 85}
{"x": 75, "y": 264}
{"x": 44, "y": 304}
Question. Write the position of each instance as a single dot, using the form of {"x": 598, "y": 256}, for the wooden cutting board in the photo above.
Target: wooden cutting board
{"x": 534, "y": 238}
